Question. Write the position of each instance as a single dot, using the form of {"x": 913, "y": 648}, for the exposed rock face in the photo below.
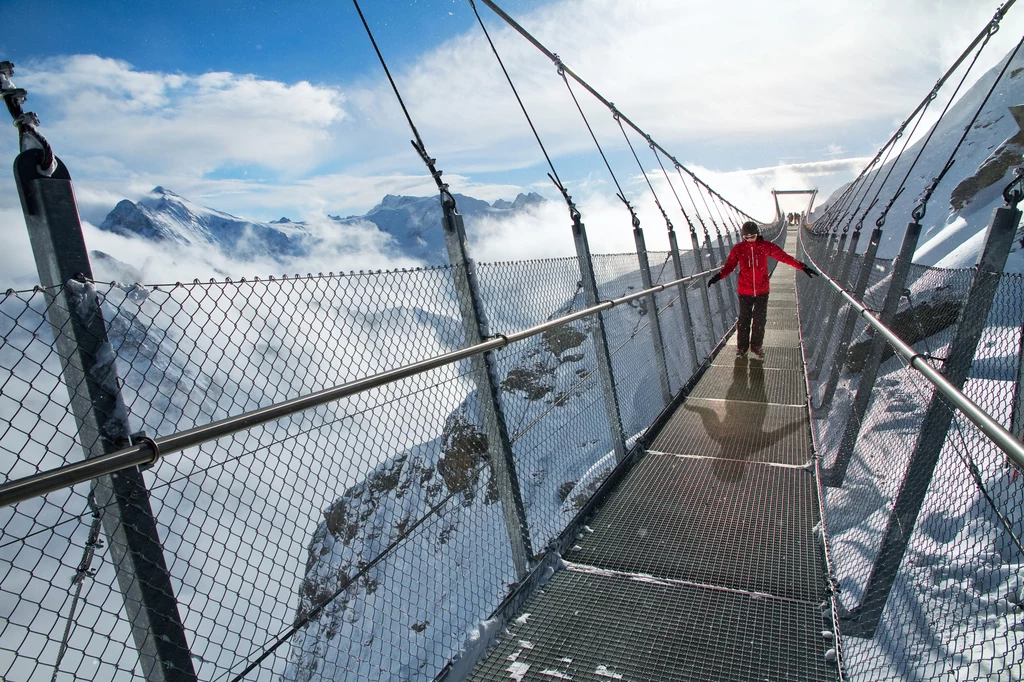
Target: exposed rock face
{"x": 913, "y": 325}
{"x": 1008, "y": 155}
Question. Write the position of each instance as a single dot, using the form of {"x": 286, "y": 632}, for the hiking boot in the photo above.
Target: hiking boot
{"x": 756, "y": 352}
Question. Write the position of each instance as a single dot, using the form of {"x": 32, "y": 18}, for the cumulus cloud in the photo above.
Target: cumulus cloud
{"x": 688, "y": 72}
{"x": 712, "y": 87}
{"x": 104, "y": 110}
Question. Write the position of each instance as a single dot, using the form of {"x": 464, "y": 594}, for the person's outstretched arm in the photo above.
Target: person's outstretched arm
{"x": 729, "y": 266}
{"x": 776, "y": 252}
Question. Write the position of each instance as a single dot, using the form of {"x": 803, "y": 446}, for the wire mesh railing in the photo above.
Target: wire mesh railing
{"x": 945, "y": 573}
{"x": 359, "y": 539}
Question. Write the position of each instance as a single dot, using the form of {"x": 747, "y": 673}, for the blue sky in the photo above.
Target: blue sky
{"x": 316, "y": 40}
{"x": 269, "y": 109}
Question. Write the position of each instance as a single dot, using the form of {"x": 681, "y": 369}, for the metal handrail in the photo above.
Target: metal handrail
{"x": 999, "y": 435}
{"x": 148, "y": 451}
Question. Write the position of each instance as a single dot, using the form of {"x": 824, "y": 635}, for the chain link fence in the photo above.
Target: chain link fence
{"x": 363, "y": 539}
{"x": 955, "y": 609}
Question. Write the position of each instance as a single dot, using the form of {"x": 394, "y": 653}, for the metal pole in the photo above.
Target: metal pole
{"x": 90, "y": 375}
{"x": 970, "y": 326}
{"x": 834, "y": 306}
{"x": 843, "y": 348}
{"x": 686, "y": 316}
{"x": 723, "y": 310}
{"x": 600, "y": 338}
{"x": 824, "y": 265}
{"x": 709, "y": 320}
{"x": 851, "y": 430}
{"x": 148, "y": 452}
{"x": 656, "y": 336}
{"x": 485, "y": 376}
{"x": 724, "y": 254}
{"x": 826, "y": 296}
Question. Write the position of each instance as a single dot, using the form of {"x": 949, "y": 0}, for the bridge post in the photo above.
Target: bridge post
{"x": 731, "y": 310}
{"x": 863, "y": 277}
{"x": 485, "y": 376}
{"x": 90, "y": 375}
{"x": 823, "y": 290}
{"x": 656, "y": 336}
{"x": 689, "y": 333}
{"x": 698, "y": 261}
{"x": 834, "y": 476}
{"x": 600, "y": 338}
{"x": 970, "y": 326}
{"x": 835, "y": 303}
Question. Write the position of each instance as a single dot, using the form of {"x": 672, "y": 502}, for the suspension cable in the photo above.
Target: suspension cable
{"x": 553, "y": 175}
{"x": 565, "y": 70}
{"x": 447, "y": 200}
{"x": 919, "y": 211}
{"x": 621, "y": 195}
{"x": 25, "y": 121}
{"x": 654, "y": 149}
{"x": 644, "y": 173}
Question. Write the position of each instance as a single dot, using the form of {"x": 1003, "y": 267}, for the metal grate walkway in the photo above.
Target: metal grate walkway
{"x": 703, "y": 563}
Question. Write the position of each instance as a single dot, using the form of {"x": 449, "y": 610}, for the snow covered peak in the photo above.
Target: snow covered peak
{"x": 411, "y": 226}
{"x": 163, "y": 216}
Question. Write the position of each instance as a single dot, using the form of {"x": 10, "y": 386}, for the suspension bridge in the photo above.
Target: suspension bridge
{"x": 538, "y": 470}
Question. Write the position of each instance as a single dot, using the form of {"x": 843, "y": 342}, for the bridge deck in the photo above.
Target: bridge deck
{"x": 703, "y": 563}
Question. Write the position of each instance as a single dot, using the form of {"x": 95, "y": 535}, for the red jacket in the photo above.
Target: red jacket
{"x": 752, "y": 257}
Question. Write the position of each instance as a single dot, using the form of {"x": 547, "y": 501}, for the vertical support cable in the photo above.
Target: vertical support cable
{"x": 678, "y": 265}
{"x": 589, "y": 281}
{"x": 51, "y": 215}
{"x": 723, "y": 313}
{"x": 645, "y": 272}
{"x": 475, "y": 326}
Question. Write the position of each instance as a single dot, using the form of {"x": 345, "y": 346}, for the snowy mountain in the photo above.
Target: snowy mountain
{"x": 411, "y": 226}
{"x": 415, "y": 222}
{"x": 364, "y": 519}
{"x": 407, "y": 610}
{"x": 415, "y": 603}
{"x": 961, "y": 207}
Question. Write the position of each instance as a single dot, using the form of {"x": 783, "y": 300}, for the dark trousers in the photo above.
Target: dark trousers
{"x": 750, "y": 325}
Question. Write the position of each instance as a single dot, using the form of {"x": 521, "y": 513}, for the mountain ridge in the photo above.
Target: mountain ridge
{"x": 411, "y": 225}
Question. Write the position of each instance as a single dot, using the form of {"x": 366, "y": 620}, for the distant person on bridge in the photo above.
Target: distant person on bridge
{"x": 752, "y": 256}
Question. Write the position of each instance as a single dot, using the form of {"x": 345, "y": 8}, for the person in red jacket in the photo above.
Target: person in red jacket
{"x": 752, "y": 255}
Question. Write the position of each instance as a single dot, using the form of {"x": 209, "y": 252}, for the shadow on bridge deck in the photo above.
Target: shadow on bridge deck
{"x": 703, "y": 563}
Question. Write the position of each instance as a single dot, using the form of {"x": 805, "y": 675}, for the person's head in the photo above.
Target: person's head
{"x": 750, "y": 231}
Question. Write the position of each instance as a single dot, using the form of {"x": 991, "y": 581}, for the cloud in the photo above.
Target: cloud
{"x": 687, "y": 72}
{"x": 339, "y": 249}
{"x": 544, "y": 231}
{"x": 133, "y": 121}
{"x": 724, "y": 93}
